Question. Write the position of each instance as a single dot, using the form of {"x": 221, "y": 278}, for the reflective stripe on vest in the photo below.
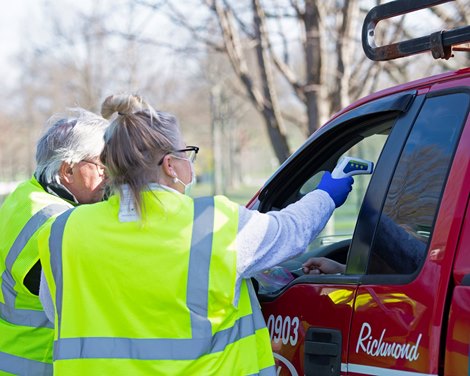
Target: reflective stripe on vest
{"x": 8, "y": 312}
{"x": 258, "y": 317}
{"x": 199, "y": 264}
{"x": 152, "y": 349}
{"x": 268, "y": 371}
{"x": 202, "y": 341}
{"x": 22, "y": 366}
{"x": 55, "y": 247}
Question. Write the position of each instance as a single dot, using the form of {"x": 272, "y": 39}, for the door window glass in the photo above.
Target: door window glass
{"x": 405, "y": 227}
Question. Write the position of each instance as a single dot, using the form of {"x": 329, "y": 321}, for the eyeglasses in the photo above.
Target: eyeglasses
{"x": 189, "y": 151}
{"x": 100, "y": 169}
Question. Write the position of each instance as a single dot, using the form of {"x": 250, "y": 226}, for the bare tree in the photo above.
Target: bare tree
{"x": 74, "y": 64}
{"x": 327, "y": 44}
{"x": 306, "y": 47}
{"x": 295, "y": 61}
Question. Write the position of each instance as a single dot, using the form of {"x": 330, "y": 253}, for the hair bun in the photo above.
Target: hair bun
{"x": 122, "y": 104}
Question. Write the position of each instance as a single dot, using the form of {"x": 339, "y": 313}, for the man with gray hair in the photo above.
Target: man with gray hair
{"x": 68, "y": 173}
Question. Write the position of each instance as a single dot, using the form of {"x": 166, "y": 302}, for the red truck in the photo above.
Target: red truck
{"x": 402, "y": 306}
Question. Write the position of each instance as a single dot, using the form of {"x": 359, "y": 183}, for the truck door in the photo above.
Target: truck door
{"x": 404, "y": 247}
{"x": 457, "y": 357}
{"x": 310, "y": 319}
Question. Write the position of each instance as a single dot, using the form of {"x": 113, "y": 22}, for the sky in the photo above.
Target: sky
{"x": 24, "y": 21}
{"x": 20, "y": 22}
{"x": 9, "y": 25}
{"x": 17, "y": 21}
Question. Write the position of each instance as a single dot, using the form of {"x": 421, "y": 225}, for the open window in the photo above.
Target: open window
{"x": 367, "y": 132}
{"x": 364, "y": 139}
{"x": 334, "y": 240}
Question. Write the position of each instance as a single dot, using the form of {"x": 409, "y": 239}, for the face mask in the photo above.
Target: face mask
{"x": 189, "y": 186}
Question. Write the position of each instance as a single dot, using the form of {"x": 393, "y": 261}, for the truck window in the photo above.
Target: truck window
{"x": 406, "y": 223}
{"x": 334, "y": 241}
{"x": 343, "y": 221}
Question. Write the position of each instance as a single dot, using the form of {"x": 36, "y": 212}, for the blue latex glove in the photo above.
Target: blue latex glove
{"x": 338, "y": 189}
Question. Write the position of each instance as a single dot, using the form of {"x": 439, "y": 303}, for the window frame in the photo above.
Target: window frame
{"x": 321, "y": 151}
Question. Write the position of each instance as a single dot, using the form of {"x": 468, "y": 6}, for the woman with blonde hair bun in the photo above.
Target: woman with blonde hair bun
{"x": 154, "y": 282}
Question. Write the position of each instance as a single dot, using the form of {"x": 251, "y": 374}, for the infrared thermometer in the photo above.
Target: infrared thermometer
{"x": 349, "y": 166}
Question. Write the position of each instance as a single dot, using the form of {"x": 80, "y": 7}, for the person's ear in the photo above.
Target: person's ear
{"x": 168, "y": 166}
{"x": 66, "y": 173}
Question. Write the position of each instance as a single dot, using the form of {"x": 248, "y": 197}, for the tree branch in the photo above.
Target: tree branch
{"x": 235, "y": 52}
{"x": 295, "y": 6}
{"x": 290, "y": 76}
{"x": 243, "y": 25}
{"x": 180, "y": 19}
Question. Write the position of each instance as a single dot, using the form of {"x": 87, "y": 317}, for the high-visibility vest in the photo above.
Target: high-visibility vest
{"x": 152, "y": 297}
{"x": 26, "y": 336}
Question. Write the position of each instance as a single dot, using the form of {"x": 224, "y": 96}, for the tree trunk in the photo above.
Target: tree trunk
{"x": 313, "y": 65}
{"x": 271, "y": 111}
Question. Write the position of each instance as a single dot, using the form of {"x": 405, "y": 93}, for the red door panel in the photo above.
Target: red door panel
{"x": 458, "y": 335}
{"x": 300, "y": 308}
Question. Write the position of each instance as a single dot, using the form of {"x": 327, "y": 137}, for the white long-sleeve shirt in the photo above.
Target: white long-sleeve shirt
{"x": 264, "y": 239}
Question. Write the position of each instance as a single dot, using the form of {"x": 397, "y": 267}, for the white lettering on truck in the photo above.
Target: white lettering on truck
{"x": 285, "y": 329}
{"x": 377, "y": 347}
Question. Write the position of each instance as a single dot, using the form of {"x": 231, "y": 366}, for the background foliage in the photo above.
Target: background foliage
{"x": 248, "y": 79}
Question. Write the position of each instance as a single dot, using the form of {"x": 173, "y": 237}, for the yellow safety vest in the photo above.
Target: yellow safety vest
{"x": 154, "y": 297}
{"x": 26, "y": 336}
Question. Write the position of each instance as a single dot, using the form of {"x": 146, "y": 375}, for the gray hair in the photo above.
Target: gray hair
{"x": 138, "y": 137}
{"x": 69, "y": 138}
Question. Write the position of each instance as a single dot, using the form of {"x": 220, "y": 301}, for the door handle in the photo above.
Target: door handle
{"x": 321, "y": 348}
{"x": 322, "y": 352}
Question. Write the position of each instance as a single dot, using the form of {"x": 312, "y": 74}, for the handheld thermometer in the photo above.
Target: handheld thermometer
{"x": 349, "y": 166}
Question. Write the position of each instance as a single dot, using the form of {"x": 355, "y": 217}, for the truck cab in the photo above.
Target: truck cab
{"x": 402, "y": 306}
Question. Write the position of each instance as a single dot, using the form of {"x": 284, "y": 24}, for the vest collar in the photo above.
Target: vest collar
{"x": 57, "y": 189}
{"x": 127, "y": 212}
